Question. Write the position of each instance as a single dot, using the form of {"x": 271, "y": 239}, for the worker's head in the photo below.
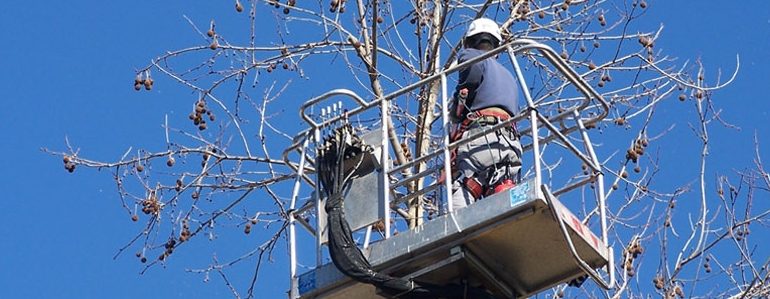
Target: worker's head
{"x": 483, "y": 34}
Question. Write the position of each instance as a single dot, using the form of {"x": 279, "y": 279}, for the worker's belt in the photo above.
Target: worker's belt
{"x": 486, "y": 116}
{"x": 485, "y": 121}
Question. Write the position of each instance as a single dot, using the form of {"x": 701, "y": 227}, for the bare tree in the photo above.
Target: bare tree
{"x": 228, "y": 154}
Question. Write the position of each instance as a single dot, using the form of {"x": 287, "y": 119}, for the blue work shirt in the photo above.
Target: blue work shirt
{"x": 488, "y": 82}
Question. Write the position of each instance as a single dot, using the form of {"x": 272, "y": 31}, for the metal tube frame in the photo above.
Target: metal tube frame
{"x": 294, "y": 283}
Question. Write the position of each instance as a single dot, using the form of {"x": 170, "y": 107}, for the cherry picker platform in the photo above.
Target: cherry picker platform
{"x": 511, "y": 244}
{"x": 508, "y": 242}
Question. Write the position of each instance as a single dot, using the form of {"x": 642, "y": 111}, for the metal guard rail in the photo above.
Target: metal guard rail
{"x": 514, "y": 47}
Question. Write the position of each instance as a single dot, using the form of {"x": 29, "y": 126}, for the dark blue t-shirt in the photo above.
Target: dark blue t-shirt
{"x": 489, "y": 83}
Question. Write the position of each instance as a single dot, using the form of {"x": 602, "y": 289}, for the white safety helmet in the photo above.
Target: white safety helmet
{"x": 484, "y": 25}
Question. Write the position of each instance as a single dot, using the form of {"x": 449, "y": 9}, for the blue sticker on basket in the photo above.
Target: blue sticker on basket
{"x": 306, "y": 282}
{"x": 520, "y": 193}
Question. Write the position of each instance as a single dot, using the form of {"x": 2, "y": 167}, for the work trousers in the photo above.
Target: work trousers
{"x": 485, "y": 158}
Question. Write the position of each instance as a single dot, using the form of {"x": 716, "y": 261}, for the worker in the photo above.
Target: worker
{"x": 486, "y": 94}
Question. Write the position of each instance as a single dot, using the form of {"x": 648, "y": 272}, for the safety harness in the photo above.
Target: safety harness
{"x": 464, "y": 120}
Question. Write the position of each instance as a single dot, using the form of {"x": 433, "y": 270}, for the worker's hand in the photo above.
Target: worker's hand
{"x": 463, "y": 92}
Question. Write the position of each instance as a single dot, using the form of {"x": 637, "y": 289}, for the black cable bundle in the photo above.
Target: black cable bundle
{"x": 345, "y": 254}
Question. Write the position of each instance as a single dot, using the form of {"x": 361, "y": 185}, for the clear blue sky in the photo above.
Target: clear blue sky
{"x": 67, "y": 69}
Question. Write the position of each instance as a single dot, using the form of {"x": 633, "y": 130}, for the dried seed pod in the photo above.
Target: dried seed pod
{"x": 658, "y": 282}
{"x": 170, "y": 162}
{"x": 238, "y": 6}
{"x": 541, "y": 14}
{"x": 380, "y": 20}
{"x": 643, "y": 40}
{"x": 139, "y": 168}
{"x": 210, "y": 33}
{"x": 643, "y": 4}
{"x": 678, "y": 291}
{"x": 591, "y": 65}
{"x": 624, "y": 174}
{"x": 637, "y": 169}
{"x": 148, "y": 83}
{"x": 682, "y": 97}
{"x": 564, "y": 55}
{"x": 214, "y": 44}
{"x": 134, "y": 218}
{"x": 596, "y": 44}
{"x": 631, "y": 155}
